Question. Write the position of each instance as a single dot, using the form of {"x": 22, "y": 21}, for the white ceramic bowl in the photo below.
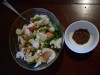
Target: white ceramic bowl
{"x": 87, "y": 47}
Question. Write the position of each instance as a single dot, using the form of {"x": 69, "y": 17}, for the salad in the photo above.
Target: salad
{"x": 39, "y": 41}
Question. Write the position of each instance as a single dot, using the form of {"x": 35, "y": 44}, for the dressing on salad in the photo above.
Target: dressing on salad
{"x": 39, "y": 41}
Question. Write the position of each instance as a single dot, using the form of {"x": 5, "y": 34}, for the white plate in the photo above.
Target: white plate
{"x": 90, "y": 45}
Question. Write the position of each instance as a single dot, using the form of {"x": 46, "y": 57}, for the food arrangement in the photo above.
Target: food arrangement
{"x": 39, "y": 41}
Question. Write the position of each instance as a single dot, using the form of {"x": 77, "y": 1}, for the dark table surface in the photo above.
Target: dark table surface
{"x": 67, "y": 11}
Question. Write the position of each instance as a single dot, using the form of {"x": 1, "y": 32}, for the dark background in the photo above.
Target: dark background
{"x": 67, "y": 11}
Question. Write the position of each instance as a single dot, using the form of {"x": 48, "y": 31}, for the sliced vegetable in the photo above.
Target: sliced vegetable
{"x": 49, "y": 34}
{"x": 43, "y": 29}
{"x": 32, "y": 28}
{"x": 36, "y": 19}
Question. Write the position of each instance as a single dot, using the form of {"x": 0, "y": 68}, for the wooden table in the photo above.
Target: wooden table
{"x": 67, "y": 11}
